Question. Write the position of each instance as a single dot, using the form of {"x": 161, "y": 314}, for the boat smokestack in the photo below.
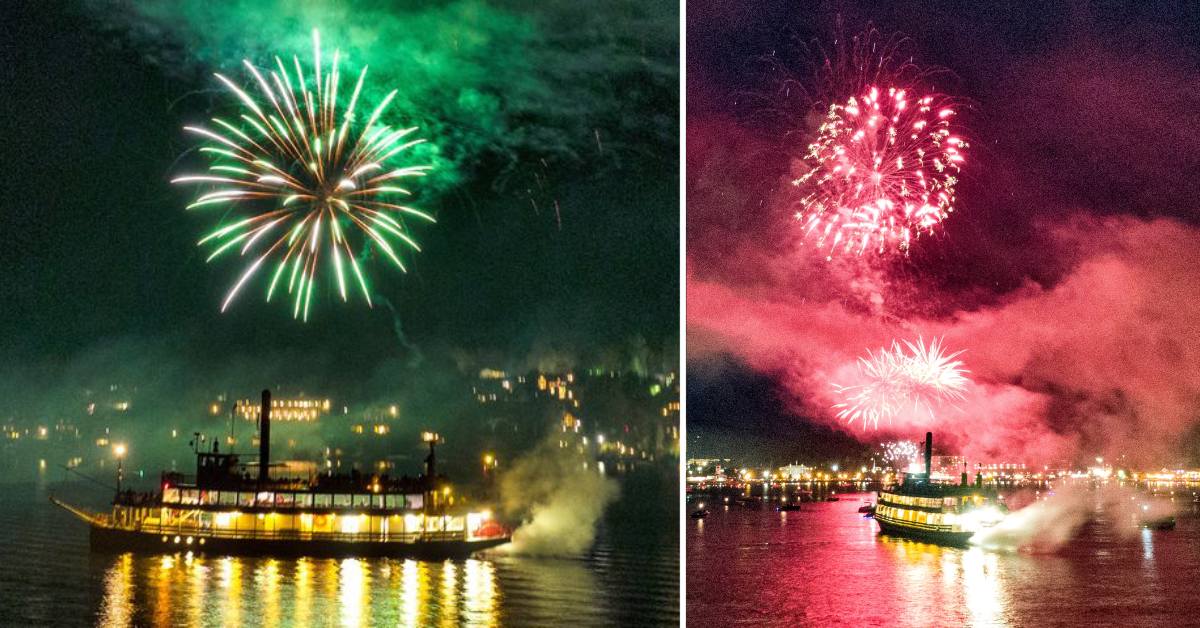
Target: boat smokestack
{"x": 264, "y": 436}
{"x": 928, "y": 454}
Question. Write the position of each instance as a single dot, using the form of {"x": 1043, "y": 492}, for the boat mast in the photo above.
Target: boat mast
{"x": 264, "y": 437}
{"x": 928, "y": 455}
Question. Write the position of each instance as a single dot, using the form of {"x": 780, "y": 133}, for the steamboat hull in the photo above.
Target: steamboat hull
{"x": 104, "y": 539}
{"x": 905, "y": 529}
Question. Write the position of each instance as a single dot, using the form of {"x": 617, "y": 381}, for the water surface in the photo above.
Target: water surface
{"x": 48, "y": 576}
{"x": 826, "y": 565}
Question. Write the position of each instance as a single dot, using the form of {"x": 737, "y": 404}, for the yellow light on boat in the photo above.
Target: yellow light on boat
{"x": 222, "y": 519}
{"x": 177, "y": 538}
{"x": 189, "y": 540}
{"x": 119, "y": 450}
{"x": 350, "y": 524}
{"x": 978, "y": 518}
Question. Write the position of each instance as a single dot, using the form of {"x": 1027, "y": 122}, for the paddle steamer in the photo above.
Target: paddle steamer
{"x": 225, "y": 509}
{"x": 944, "y": 513}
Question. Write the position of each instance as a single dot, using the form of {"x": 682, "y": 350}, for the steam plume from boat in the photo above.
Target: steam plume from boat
{"x": 559, "y": 496}
{"x": 1047, "y": 524}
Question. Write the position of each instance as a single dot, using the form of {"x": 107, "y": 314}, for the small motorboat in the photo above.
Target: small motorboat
{"x": 787, "y": 505}
{"x": 1155, "y": 521}
{"x": 1158, "y": 523}
{"x": 700, "y": 512}
{"x": 867, "y": 509}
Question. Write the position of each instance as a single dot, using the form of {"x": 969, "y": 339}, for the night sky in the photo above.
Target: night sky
{"x": 1067, "y": 272}
{"x": 531, "y": 104}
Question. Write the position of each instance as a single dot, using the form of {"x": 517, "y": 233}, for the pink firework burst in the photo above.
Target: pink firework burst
{"x": 904, "y": 381}
{"x": 880, "y": 172}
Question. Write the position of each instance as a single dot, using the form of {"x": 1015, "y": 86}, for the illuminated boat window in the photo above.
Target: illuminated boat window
{"x": 322, "y": 500}
{"x": 353, "y": 524}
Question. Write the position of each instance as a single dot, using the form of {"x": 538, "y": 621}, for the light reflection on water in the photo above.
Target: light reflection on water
{"x": 279, "y": 592}
{"x": 48, "y": 576}
{"x": 826, "y": 565}
{"x": 118, "y": 593}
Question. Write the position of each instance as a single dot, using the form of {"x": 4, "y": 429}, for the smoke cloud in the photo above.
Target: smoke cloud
{"x": 559, "y": 496}
{"x": 491, "y": 87}
{"x": 153, "y": 393}
{"x": 415, "y": 357}
{"x": 1099, "y": 362}
{"x": 1049, "y": 523}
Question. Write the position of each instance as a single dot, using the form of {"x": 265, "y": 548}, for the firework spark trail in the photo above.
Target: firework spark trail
{"x": 905, "y": 380}
{"x": 900, "y": 454}
{"x": 880, "y": 172}
{"x": 308, "y": 174}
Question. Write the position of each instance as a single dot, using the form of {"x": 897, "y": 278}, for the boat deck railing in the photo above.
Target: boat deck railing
{"x": 169, "y": 531}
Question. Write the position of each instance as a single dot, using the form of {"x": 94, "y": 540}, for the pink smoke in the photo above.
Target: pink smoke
{"x": 1103, "y": 361}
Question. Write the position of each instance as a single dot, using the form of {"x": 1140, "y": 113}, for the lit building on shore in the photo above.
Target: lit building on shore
{"x": 297, "y": 409}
